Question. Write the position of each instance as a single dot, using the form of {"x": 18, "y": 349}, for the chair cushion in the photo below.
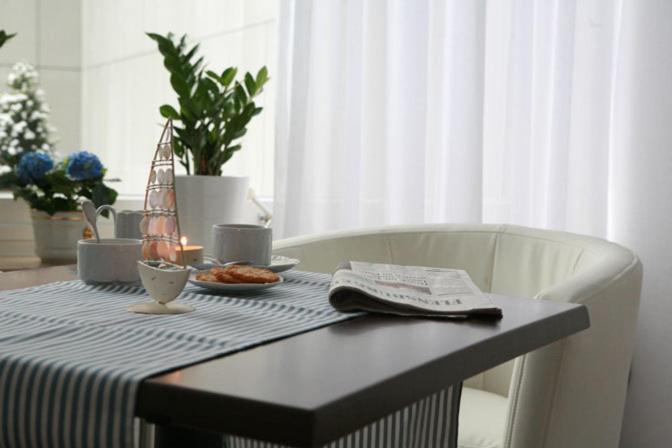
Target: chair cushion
{"x": 482, "y": 419}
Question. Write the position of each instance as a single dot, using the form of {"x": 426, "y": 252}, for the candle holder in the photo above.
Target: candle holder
{"x": 163, "y": 282}
{"x": 189, "y": 255}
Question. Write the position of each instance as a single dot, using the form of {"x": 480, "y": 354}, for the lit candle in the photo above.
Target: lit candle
{"x": 189, "y": 254}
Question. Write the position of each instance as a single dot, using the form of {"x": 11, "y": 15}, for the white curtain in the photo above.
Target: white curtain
{"x": 402, "y": 111}
{"x": 547, "y": 113}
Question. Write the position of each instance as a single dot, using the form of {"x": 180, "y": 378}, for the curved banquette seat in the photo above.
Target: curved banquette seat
{"x": 568, "y": 394}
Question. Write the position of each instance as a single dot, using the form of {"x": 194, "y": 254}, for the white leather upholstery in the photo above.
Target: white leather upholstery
{"x": 482, "y": 419}
{"x": 568, "y": 394}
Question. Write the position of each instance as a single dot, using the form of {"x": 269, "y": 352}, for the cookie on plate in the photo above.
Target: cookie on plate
{"x": 250, "y": 274}
{"x": 206, "y": 277}
{"x": 223, "y": 275}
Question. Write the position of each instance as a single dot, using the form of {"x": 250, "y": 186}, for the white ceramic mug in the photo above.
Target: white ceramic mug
{"x": 127, "y": 224}
{"x": 242, "y": 242}
{"x": 112, "y": 260}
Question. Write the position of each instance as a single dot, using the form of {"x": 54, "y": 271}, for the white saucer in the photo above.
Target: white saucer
{"x": 281, "y": 263}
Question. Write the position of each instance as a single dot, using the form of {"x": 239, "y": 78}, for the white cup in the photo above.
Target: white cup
{"x": 127, "y": 224}
{"x": 242, "y": 242}
{"x": 112, "y": 260}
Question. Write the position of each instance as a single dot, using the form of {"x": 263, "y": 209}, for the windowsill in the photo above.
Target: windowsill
{"x": 135, "y": 197}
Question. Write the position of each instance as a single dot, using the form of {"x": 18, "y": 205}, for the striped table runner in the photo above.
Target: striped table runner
{"x": 428, "y": 423}
{"x": 72, "y": 357}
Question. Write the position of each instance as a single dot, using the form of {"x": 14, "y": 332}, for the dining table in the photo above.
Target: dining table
{"x": 310, "y": 389}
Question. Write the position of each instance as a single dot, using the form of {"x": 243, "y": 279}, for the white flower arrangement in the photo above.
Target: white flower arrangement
{"x": 23, "y": 116}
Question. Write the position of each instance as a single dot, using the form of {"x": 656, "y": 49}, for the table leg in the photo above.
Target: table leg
{"x": 177, "y": 437}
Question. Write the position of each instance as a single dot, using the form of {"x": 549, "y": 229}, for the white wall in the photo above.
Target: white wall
{"x": 104, "y": 80}
{"x": 49, "y": 36}
{"x": 124, "y": 80}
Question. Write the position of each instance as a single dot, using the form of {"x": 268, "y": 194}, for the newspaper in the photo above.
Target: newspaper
{"x": 407, "y": 291}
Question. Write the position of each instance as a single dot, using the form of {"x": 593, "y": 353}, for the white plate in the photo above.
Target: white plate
{"x": 231, "y": 287}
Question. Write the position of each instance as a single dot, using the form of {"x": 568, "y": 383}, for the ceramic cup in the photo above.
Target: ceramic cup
{"x": 127, "y": 224}
{"x": 112, "y": 260}
{"x": 242, "y": 242}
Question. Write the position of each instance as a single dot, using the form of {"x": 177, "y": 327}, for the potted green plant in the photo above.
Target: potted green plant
{"x": 32, "y": 171}
{"x": 212, "y": 115}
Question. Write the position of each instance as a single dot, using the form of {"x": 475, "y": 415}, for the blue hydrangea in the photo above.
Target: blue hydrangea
{"x": 84, "y": 165}
{"x": 33, "y": 166}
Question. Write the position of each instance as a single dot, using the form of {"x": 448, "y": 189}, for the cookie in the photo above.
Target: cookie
{"x": 206, "y": 277}
{"x": 249, "y": 274}
{"x": 223, "y": 275}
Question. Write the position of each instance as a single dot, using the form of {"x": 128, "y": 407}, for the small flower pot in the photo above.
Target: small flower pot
{"x": 56, "y": 236}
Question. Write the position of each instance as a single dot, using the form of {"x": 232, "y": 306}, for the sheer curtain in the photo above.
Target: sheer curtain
{"x": 547, "y": 113}
{"x": 432, "y": 111}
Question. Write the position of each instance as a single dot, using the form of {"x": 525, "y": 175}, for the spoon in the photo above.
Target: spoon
{"x": 214, "y": 261}
{"x": 89, "y": 211}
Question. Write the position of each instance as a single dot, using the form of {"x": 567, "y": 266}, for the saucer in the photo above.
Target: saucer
{"x": 280, "y": 263}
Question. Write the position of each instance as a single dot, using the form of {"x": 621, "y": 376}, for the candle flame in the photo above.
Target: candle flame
{"x": 183, "y": 240}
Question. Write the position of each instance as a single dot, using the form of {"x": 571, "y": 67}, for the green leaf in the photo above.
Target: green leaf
{"x": 168, "y": 111}
{"x": 211, "y": 87}
{"x": 213, "y": 75}
{"x": 228, "y": 75}
{"x": 103, "y": 195}
{"x": 241, "y": 96}
{"x": 4, "y": 37}
{"x": 8, "y": 180}
{"x": 262, "y": 76}
{"x": 179, "y": 85}
{"x": 192, "y": 52}
{"x": 250, "y": 84}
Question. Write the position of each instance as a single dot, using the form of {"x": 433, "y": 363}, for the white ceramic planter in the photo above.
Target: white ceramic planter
{"x": 203, "y": 201}
{"x": 56, "y": 236}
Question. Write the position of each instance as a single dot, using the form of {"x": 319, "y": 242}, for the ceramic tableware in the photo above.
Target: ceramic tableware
{"x": 110, "y": 260}
{"x": 231, "y": 287}
{"x": 127, "y": 224}
{"x": 280, "y": 263}
{"x": 163, "y": 282}
{"x": 245, "y": 242}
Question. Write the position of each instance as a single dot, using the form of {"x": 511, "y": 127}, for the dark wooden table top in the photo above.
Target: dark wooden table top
{"x": 309, "y": 389}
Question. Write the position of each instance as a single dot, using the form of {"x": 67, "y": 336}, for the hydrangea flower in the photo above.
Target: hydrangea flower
{"x": 33, "y": 166}
{"x": 84, "y": 165}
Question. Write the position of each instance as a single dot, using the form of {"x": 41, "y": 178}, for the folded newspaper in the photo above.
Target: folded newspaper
{"x": 408, "y": 291}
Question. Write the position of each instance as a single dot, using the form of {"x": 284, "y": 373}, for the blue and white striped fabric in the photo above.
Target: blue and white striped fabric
{"x": 72, "y": 357}
{"x": 427, "y": 423}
